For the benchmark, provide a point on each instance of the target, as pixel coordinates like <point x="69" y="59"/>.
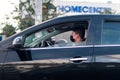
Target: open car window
<point x="35" y="38"/>
<point x="53" y="36"/>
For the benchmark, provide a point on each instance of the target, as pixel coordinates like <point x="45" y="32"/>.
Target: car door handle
<point x="78" y="59"/>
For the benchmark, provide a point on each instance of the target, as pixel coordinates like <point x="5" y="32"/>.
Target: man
<point x="77" y="36"/>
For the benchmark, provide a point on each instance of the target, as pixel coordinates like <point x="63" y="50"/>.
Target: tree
<point x="8" y="30"/>
<point x="26" y="10"/>
<point x="26" y="14"/>
<point x="49" y="10"/>
<point x="26" y="22"/>
<point x="108" y="12"/>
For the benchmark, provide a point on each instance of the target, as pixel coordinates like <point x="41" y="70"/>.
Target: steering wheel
<point x="46" y="43"/>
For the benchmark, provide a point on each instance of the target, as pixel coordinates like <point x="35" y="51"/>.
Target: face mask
<point x="71" y="38"/>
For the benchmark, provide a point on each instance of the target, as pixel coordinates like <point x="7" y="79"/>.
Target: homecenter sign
<point x="78" y="7"/>
<point x="82" y="9"/>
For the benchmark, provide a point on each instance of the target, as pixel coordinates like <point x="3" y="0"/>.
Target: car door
<point x="50" y="63"/>
<point x="107" y="53"/>
<point x="2" y="58"/>
<point x="66" y="62"/>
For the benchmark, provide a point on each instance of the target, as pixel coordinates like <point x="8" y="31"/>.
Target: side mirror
<point x="17" y="42"/>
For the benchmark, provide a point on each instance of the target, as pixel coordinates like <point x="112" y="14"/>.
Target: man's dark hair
<point x="80" y="31"/>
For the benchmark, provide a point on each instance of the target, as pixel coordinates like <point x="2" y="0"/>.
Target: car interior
<point x="54" y="36"/>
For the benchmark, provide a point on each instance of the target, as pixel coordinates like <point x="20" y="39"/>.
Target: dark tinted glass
<point x="111" y="32"/>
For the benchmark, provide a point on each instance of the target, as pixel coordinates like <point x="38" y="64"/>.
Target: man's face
<point x="75" y="36"/>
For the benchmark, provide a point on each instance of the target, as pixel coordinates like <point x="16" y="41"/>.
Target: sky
<point x="6" y="7"/>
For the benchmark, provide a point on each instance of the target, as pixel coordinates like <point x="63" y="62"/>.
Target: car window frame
<point x="88" y="20"/>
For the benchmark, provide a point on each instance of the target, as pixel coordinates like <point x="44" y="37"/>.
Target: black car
<point x="45" y="52"/>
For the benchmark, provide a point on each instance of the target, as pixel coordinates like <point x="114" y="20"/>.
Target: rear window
<point x="111" y="32"/>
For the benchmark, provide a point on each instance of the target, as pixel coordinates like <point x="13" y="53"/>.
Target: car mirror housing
<point x="17" y="42"/>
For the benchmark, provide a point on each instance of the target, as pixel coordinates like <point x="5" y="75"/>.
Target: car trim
<point x="106" y="45"/>
<point x="58" y="47"/>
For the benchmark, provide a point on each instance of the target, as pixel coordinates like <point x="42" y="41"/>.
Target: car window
<point x="54" y="36"/>
<point x="111" y="32"/>
<point x="35" y="37"/>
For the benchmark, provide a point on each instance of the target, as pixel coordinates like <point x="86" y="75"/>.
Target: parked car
<point x="44" y="51"/>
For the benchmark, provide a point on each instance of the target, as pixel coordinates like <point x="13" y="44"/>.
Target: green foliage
<point x="108" y="12"/>
<point x="49" y="10"/>
<point x="8" y="30"/>
<point x="26" y="22"/>
<point x="26" y="14"/>
<point x="26" y="6"/>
